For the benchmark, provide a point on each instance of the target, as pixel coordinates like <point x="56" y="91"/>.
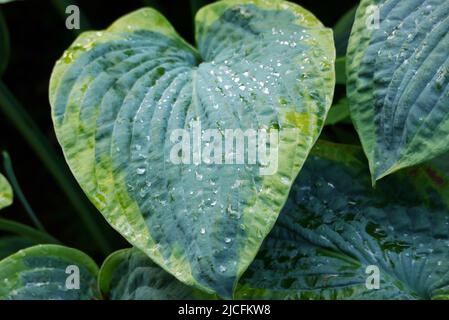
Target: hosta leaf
<point x="398" y="82"/>
<point x="335" y="225"/>
<point x="42" y="273"/>
<point x="118" y="95"/>
<point x="129" y="274"/>
<point x="12" y="244"/>
<point x="6" y="194"/>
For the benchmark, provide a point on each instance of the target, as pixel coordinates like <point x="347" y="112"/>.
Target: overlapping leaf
<point x="334" y="226"/>
<point x="41" y="273"/>
<point x="117" y="96"/>
<point x="398" y="81"/>
<point x="130" y="275"/>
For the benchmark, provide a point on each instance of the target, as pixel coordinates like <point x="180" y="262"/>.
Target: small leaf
<point x="335" y="227"/>
<point x="339" y="113"/>
<point x="117" y="97"/>
<point x="130" y="275"/>
<point x="398" y="82"/>
<point x="342" y="31"/>
<point x="340" y="70"/>
<point x="6" y="194"/>
<point x="40" y="273"/>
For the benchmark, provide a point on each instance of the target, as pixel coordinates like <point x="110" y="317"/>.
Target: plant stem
<point x="37" y="141"/>
<point x="27" y="232"/>
<point x="18" y="191"/>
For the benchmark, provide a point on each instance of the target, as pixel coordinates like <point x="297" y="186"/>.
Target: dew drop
<point x="140" y="171"/>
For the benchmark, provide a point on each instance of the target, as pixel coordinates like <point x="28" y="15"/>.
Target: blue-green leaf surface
<point x="129" y="274"/>
<point x="41" y="273"/>
<point x="334" y="226"/>
<point x="398" y="81"/>
<point x="117" y="95"/>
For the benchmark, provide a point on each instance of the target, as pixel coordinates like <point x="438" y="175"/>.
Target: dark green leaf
<point x="12" y="244"/>
<point x="339" y="113"/>
<point x="334" y="226"/>
<point x="342" y="31"/>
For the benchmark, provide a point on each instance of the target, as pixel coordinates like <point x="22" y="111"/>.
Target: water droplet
<point x="228" y="240"/>
<point x="203" y="231"/>
<point x="199" y="177"/>
<point x="141" y="171"/>
<point x="222" y="269"/>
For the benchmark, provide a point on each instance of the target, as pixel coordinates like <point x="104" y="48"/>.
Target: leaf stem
<point x="18" y="191"/>
<point x="37" y="141"/>
<point x="27" y="232"/>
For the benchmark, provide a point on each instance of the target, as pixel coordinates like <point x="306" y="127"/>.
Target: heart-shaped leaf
<point x="119" y="96"/>
<point x="129" y="274"/>
<point x="6" y="194"/>
<point x="398" y="81"/>
<point x="48" y="272"/>
<point x="336" y="234"/>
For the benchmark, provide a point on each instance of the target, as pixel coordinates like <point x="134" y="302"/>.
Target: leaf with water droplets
<point x="129" y="274"/>
<point x="6" y="194"/>
<point x="398" y="82"/>
<point x="336" y="231"/>
<point x="48" y="272"/>
<point x="144" y="120"/>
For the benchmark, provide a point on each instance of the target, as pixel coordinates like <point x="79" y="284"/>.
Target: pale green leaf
<point x="6" y="194"/>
